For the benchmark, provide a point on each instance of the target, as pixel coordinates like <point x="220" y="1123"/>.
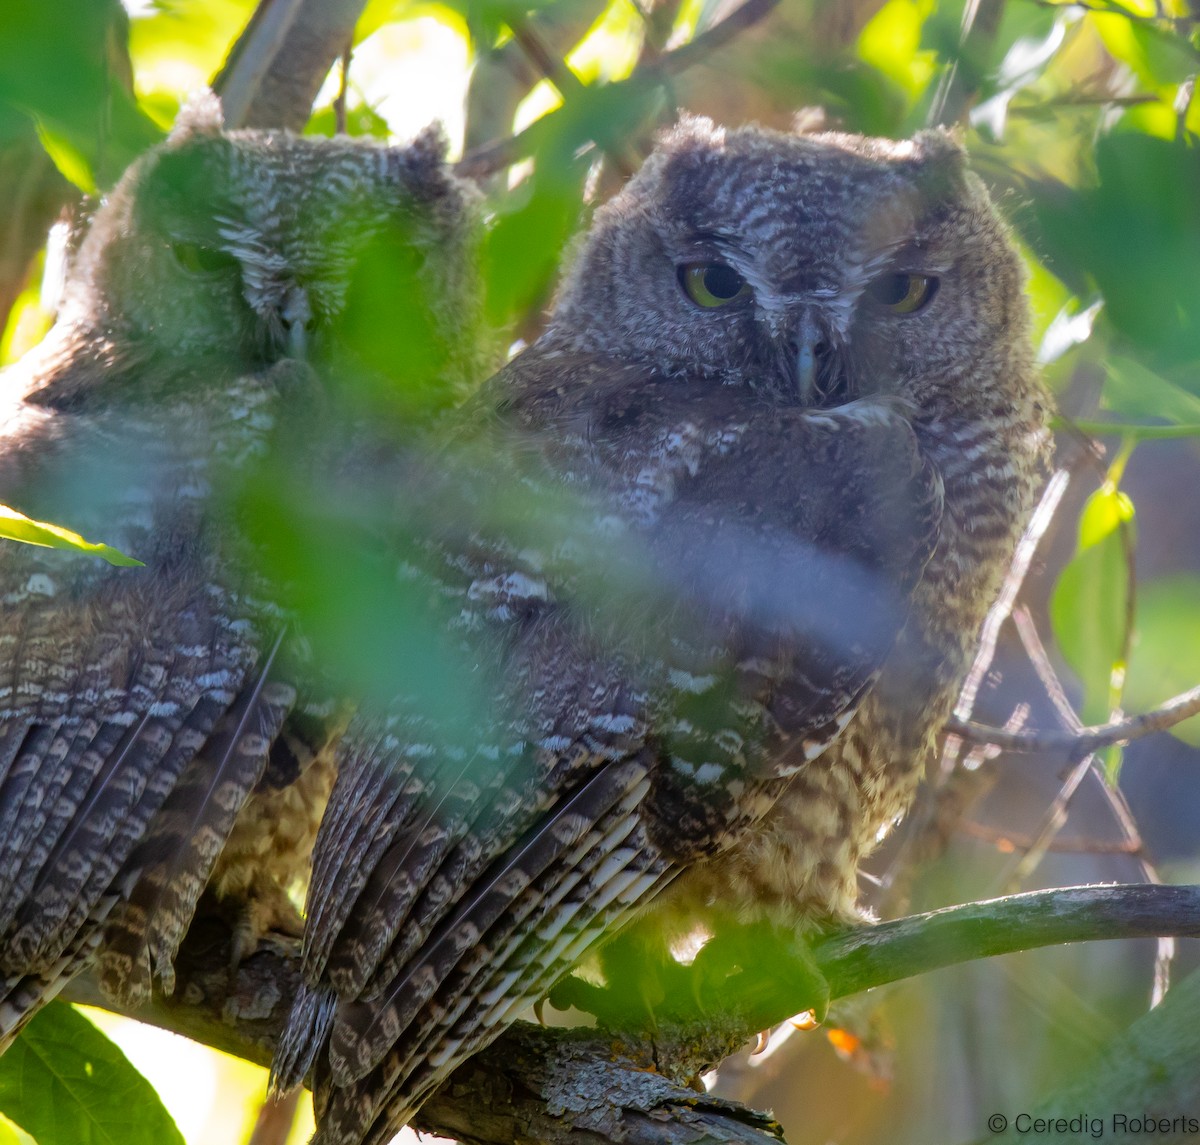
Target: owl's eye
<point x="903" y="293"/>
<point x="203" y="260"/>
<point x="712" y="284"/>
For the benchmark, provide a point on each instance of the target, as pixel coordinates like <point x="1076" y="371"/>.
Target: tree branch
<point x="274" y="71"/>
<point x="1080" y="743"/>
<point x="586" y="1086"/>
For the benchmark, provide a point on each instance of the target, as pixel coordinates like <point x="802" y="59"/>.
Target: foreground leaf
<point x="65" y="1083"/>
<point x="17" y="527"/>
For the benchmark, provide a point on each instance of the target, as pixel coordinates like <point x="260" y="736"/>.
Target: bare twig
<point x="1015" y="840"/>
<point x="1076" y="744"/>
<point x="548" y="63"/>
<point x="873" y="955"/>
<point x="1053" y="820"/>
<point x="1042" y="517"/>
<point x="700" y="47"/>
<point x="1031" y="641"/>
<point x="339" y="100"/>
<point x="480" y="162"/>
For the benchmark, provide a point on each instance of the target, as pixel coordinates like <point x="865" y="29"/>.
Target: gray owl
<point x="776" y="446"/>
<point x="163" y="728"/>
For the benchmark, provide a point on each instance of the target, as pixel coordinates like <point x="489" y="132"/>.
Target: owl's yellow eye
<point x="903" y="293"/>
<point x="203" y="260"/>
<point x="712" y="284"/>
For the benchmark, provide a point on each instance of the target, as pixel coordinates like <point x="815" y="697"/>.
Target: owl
<point x="164" y="728"/>
<point x="719" y="543"/>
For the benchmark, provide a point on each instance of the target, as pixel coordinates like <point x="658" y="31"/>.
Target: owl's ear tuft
<point x="200" y="116"/>
<point x="940" y="146"/>
<point x="692" y="130"/>
<point x="429" y="146"/>
<point x="941" y="165"/>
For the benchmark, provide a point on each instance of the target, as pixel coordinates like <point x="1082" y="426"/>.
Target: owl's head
<point x="814" y="268"/>
<point x="248" y="246"/>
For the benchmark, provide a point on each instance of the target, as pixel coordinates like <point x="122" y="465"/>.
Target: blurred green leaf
<point x="1134" y="390"/>
<point x="17" y="527"/>
<point x="524" y="247"/>
<point x="72" y="164"/>
<point x="1137" y="234"/>
<point x="1166" y="658"/>
<point x="1087" y="608"/>
<point x="66" y="65"/>
<point x="65" y="1083"/>
<point x="890" y="43"/>
<point x="1157" y="55"/>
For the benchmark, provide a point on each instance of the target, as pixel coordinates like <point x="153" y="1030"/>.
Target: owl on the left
<point x="161" y="728"/>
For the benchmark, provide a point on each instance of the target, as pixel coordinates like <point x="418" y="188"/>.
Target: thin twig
<point x="565" y="81"/>
<point x="1053" y="820"/>
<point x="1031" y="641"/>
<point x="1042" y="517"/>
<point x="1013" y="840"/>
<point x="486" y="160"/>
<point x="339" y="100"/>
<point x="1089" y="739"/>
<point x="873" y="955"/>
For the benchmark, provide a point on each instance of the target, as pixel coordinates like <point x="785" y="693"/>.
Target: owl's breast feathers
<point x="729" y="579"/>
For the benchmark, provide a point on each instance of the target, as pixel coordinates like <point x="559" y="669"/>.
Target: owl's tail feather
<point x="609" y="872"/>
<point x="174" y="859"/>
<point x="307" y="1030"/>
<point x="23" y="995"/>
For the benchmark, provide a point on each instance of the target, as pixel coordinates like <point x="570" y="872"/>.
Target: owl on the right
<point x="788" y="388"/>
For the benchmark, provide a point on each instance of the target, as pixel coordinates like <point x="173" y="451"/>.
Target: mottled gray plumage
<point x="776" y="448"/>
<point x="140" y="708"/>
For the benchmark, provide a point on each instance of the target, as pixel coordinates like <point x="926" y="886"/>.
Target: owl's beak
<point x="297" y="317"/>
<point x="803" y="343"/>
<point x="816" y="371"/>
<point x="806" y="372"/>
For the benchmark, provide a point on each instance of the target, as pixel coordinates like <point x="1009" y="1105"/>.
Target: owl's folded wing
<point x="453" y="885"/>
<point x="111" y="697"/>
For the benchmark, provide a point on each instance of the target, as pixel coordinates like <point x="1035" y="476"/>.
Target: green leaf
<point x="66" y="66"/>
<point x="17" y="527"/>
<point x="1135" y="390"/>
<point x="72" y="164"/>
<point x="1136" y="235"/>
<point x="1166" y="659"/>
<point x="891" y="41"/>
<point x="1157" y="56"/>
<point x="65" y="1083"/>
<point x="1087" y="609"/>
